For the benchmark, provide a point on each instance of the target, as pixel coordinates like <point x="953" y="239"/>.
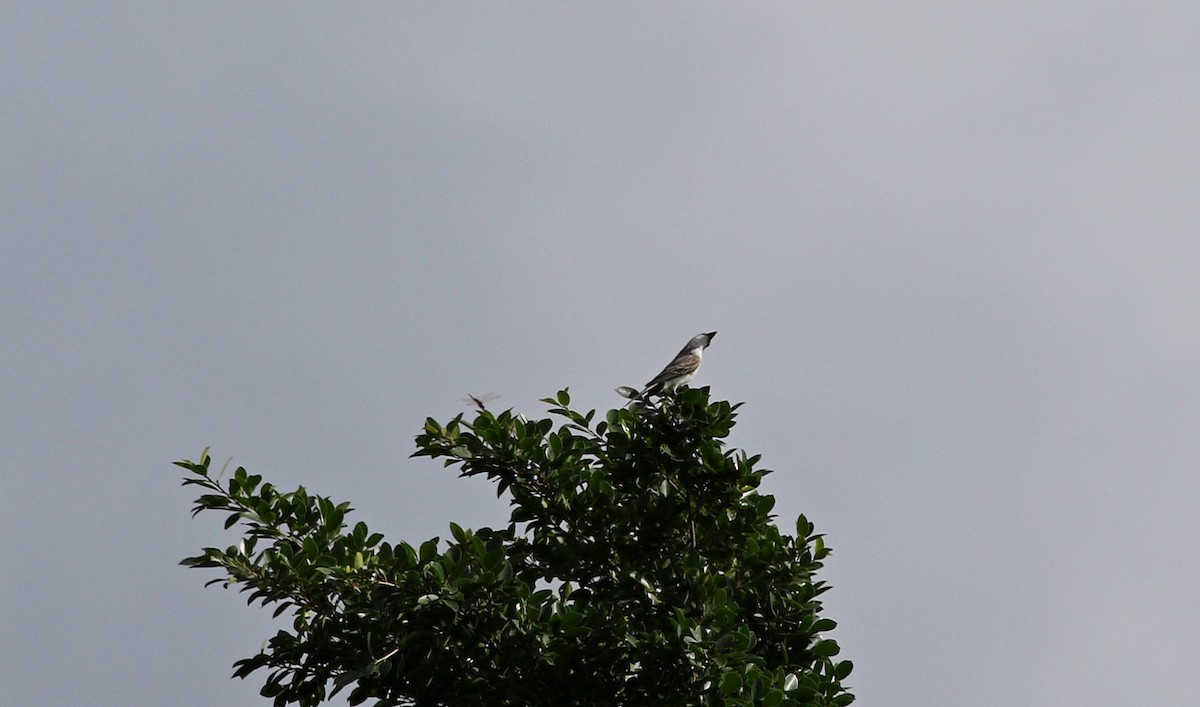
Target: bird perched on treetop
<point x="680" y="370"/>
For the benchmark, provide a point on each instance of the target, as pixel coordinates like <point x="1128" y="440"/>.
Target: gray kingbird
<point x="680" y="370"/>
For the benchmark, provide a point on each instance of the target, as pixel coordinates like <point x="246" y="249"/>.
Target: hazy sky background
<point x="951" y="250"/>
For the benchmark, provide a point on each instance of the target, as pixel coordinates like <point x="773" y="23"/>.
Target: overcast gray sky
<point x="951" y="250"/>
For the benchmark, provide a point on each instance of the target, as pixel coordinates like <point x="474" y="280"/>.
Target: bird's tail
<point x="634" y="395"/>
<point x="626" y="392"/>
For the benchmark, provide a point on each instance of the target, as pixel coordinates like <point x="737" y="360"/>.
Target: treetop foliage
<point x="640" y="566"/>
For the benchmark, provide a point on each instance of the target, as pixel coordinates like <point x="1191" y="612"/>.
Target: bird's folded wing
<point x="679" y="367"/>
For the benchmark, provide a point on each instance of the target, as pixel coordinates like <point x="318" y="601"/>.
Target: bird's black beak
<point x="710" y="335"/>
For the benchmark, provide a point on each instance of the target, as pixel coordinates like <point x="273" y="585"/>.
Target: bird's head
<point x="701" y="341"/>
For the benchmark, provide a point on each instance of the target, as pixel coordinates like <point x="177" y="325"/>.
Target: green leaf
<point x="826" y="648"/>
<point x="720" y="598"/>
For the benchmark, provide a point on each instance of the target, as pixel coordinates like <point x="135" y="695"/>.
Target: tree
<point x="641" y="566"/>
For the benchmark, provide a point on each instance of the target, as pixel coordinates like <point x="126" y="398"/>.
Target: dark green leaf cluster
<point x="641" y="566"/>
